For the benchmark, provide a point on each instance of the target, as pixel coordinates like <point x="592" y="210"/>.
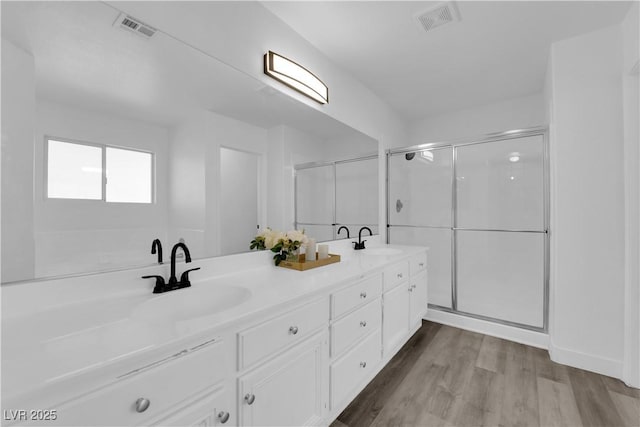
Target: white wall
<point x="213" y="27"/>
<point x="587" y="202"/>
<point x="239" y="199"/>
<point x="187" y="184"/>
<point x="516" y="113"/>
<point x="195" y="173"/>
<point x="81" y="235"/>
<point x="631" y="49"/>
<point x="18" y="107"/>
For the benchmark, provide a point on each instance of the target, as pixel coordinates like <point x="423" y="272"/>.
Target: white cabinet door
<point x="418" y="304"/>
<point x="211" y="410"/>
<point x="395" y="318"/>
<point x="288" y="391"/>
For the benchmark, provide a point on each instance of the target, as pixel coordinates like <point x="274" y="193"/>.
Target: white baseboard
<point x="522" y="336"/>
<point x="588" y="362"/>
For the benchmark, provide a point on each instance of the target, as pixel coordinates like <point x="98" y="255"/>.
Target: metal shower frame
<point x="488" y="138"/>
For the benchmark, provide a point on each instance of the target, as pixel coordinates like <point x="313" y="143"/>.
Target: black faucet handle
<point x="160" y="284"/>
<point x="358" y="245"/>
<point x="184" y="277"/>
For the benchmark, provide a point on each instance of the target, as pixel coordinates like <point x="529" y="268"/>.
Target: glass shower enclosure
<point x="329" y="195"/>
<point x="481" y="206"/>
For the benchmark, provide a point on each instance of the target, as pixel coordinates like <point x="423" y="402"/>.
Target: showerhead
<point x="409" y="156"/>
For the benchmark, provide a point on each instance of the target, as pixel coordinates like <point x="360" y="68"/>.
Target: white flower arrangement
<point x="284" y="245"/>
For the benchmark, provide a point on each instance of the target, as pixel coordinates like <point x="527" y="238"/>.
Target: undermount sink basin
<point x="193" y="302"/>
<point x="382" y="251"/>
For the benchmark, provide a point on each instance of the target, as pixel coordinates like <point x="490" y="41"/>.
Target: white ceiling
<point x="82" y="60"/>
<point x="497" y="51"/>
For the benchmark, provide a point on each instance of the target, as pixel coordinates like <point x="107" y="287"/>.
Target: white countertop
<point x="64" y="341"/>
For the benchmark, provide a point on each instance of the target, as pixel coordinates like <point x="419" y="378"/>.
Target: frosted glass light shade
<point x="295" y="76"/>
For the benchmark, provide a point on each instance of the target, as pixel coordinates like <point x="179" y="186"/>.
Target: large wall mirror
<point x="112" y="138"/>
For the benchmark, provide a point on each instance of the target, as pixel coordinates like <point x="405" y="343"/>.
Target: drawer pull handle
<point x="410" y="289"/>
<point x="142" y="404"/>
<point x="363" y="364"/>
<point x="363" y="295"/>
<point x="223" y="417"/>
<point x="293" y="330"/>
<point x="399" y="275"/>
<point x="414" y="286"/>
<point x="421" y="264"/>
<point x="249" y="398"/>
<point x="363" y="323"/>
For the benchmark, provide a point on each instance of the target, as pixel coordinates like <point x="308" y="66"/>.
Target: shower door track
<point x="484" y="139"/>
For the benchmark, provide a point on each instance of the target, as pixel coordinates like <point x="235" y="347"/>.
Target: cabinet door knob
<point x="399" y="275"/>
<point x="363" y="364"/>
<point x="414" y="286"/>
<point x="410" y="289"/>
<point x="142" y="404"/>
<point x="223" y="417"/>
<point x="363" y="294"/>
<point x="363" y="323"/>
<point x="421" y="264"/>
<point x="293" y="330"/>
<point x="249" y="398"/>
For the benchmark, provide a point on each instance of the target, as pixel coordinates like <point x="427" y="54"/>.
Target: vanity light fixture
<point x="295" y="76"/>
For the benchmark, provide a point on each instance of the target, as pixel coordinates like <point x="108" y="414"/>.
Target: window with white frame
<point x="78" y="170"/>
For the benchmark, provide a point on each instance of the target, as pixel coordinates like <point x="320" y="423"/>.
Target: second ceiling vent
<point x="443" y="13"/>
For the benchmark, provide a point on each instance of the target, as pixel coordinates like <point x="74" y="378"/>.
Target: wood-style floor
<point x="446" y="376"/>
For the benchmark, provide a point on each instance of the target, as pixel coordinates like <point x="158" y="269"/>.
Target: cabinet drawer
<point x="358" y="294"/>
<point x="268" y="337"/>
<point x="348" y="372"/>
<point x="418" y="263"/>
<point x="352" y="327"/>
<point x="395" y="274"/>
<point x="163" y="386"/>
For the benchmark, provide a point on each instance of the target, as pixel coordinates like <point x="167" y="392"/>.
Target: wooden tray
<point x="301" y="265"/>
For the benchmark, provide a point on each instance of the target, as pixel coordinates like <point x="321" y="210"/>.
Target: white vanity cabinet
<point x="287" y="391"/>
<point x="417" y="298"/>
<point x="404" y="300"/>
<point x="283" y="368"/>
<point x="209" y="410"/>
<point x="356" y="338"/>
<point x="289" y="363"/>
<point x="396" y="316"/>
<point x="190" y="382"/>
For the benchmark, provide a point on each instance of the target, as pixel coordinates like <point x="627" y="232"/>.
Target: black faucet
<point x="340" y="229"/>
<point x="360" y="243"/>
<point x="157" y="245"/>
<point x="173" y="283"/>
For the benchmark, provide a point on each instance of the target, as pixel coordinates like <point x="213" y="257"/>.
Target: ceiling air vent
<point x="443" y="13"/>
<point x="135" y="26"/>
